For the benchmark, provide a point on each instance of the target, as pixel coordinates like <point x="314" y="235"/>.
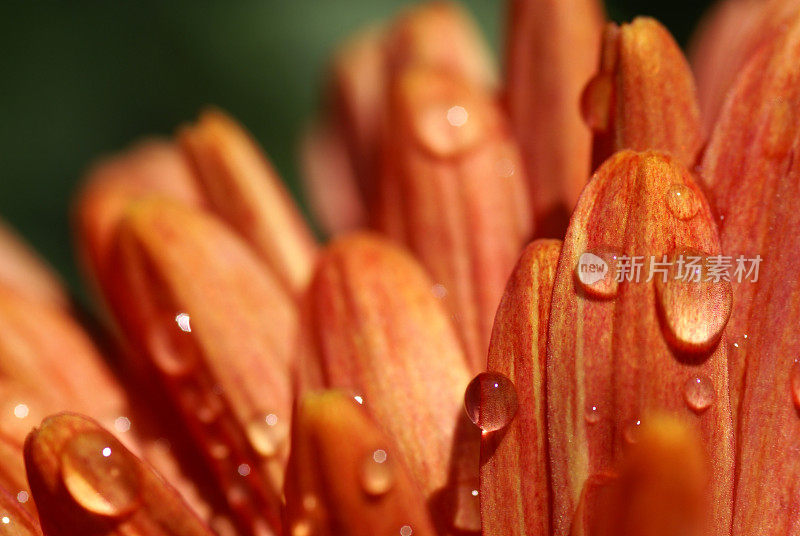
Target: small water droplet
<point x="491" y="401"/>
<point x="592" y="413"/>
<point x="467" y="516"/>
<point x="439" y="291"/>
<point x="122" y="424"/>
<point x="406" y="530"/>
<point x="631" y="430"/>
<point x="301" y="528"/>
<point x="243" y="469"/>
<point x="22" y="497"/>
<point x="699" y="393"/>
<point x="794" y="379"/>
<point x="310" y="502"/>
<point x="100" y="474"/>
<point x="377" y="473"/>
<point x="682" y="202"/>
<point x="267" y="434"/>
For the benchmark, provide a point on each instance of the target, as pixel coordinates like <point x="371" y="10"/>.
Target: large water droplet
<point x="693" y="313"/>
<point x="682" y="202"/>
<point x="100" y="474"/>
<point x="699" y="393"/>
<point x="377" y="473"/>
<point x="794" y="380"/>
<point x="491" y="401"/>
<point x="267" y="434"/>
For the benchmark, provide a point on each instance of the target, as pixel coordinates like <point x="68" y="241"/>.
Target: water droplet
<point x="243" y="469"/>
<point x="699" y="393"/>
<point x="184" y="322"/>
<point x="595" y="272"/>
<point x="267" y="434"/>
<point x="377" y="473"/>
<point x="22" y="497"/>
<point x="592" y="414"/>
<point x="406" y="530"/>
<point x="100" y="474"/>
<point x="310" y="502"/>
<point x="359" y="399"/>
<point x="447" y="129"/>
<point x="491" y="401"/>
<point x="122" y="424"/>
<point x="631" y="431"/>
<point x="693" y="313"/>
<point x="467" y="517"/>
<point x="794" y="379"/>
<point x="457" y="116"/>
<point x="439" y="291"/>
<point x="301" y="528"/>
<point x="682" y="202"/>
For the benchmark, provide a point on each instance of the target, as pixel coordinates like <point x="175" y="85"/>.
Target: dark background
<point x="82" y="79"/>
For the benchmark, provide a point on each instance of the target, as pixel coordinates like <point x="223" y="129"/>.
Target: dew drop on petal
<point x="491" y="401"/>
<point x="631" y="430"/>
<point x="592" y="413"/>
<point x="267" y="434"/>
<point x="699" y="393"/>
<point x="100" y="474"/>
<point x="243" y="469"/>
<point x="693" y="314"/>
<point x="122" y="424"/>
<point x="406" y="530"/>
<point x="22" y="497"/>
<point x="682" y="202"/>
<point x="184" y="322"/>
<point x="377" y="473"/>
<point x="467" y="516"/>
<point x="794" y="380"/>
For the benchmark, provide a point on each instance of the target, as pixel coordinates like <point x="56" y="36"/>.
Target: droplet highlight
<point x="377" y="473"/>
<point x="467" y="516"/>
<point x="699" y="393"/>
<point x="267" y="434"/>
<point x="592" y="413"/>
<point x="682" y="202"/>
<point x="100" y="474"/>
<point x="491" y="401"/>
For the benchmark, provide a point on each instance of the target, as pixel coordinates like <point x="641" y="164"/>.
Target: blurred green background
<point x="80" y="79"/>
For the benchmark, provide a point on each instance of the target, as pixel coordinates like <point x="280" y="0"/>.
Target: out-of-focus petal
<point x="552" y="52"/>
<point x="329" y="180"/>
<point x="15" y="520"/>
<point x="206" y="318"/>
<point x="753" y="170"/>
<point x="374" y="325"/>
<point x="244" y="189"/>
<point x="345" y="477"/>
<point x="453" y="191"/>
<point x="622" y="346"/>
<point x="726" y="39"/>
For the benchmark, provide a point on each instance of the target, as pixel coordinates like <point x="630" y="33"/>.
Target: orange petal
<point x="85" y="482"/>
<point x="752" y="167"/>
<point x="345" y="477"/>
<point x="515" y="493"/>
<point x="552" y="52"/>
<point x="243" y="188"/>
<point x="618" y="352"/>
<point x="660" y="490"/>
<point x="442" y="35"/>
<point x="207" y="319"/>
<point x="453" y="190"/>
<point x="22" y="270"/>
<point x="376" y="328"/>
<point x="644" y="97"/>
<point x="726" y="39"/>
<point x="329" y="180"/>
<point x="152" y="168"/>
